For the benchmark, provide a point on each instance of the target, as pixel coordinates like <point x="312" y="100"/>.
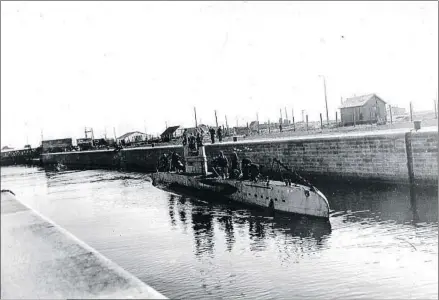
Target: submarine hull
<point x="276" y="195"/>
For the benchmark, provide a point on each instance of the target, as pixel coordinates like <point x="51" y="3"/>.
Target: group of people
<point x="171" y="162"/>
<point x="219" y="133"/>
<point x="196" y="141"/>
<point x="247" y="170"/>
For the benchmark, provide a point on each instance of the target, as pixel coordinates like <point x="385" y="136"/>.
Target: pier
<point x="373" y="156"/>
<point x="42" y="260"/>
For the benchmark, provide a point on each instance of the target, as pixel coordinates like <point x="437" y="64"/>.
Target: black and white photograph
<point x="219" y="150"/>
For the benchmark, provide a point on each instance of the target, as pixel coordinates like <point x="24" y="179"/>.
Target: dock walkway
<point x="42" y="260"/>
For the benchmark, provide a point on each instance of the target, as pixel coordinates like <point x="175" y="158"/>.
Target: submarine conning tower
<point x="196" y="160"/>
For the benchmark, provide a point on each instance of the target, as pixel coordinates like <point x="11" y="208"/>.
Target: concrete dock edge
<point x="40" y="259"/>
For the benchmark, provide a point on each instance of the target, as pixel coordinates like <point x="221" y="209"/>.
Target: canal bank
<point x="399" y="156"/>
<point x="194" y="247"/>
<point x="42" y="260"/>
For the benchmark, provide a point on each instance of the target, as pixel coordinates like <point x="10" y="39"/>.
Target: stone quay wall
<point x="394" y="156"/>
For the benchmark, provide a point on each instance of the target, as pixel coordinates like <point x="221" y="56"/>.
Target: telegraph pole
<point x="286" y="115"/>
<point x="216" y="120"/>
<point x="435" y="107"/>
<point x="114" y="131"/>
<point x="280" y="110"/>
<point x="257" y="120"/>
<point x="326" y="100"/>
<point x="195" y="111"/>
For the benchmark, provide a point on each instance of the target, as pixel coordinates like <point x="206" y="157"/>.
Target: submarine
<point x="299" y="197"/>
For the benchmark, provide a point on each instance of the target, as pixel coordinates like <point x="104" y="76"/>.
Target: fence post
<point x="411" y="112"/>
<point x="294" y="125"/>
<point x="354" y="116"/>
<point x="306" y="122"/>
<point x="391" y="117"/>
<point x="435" y="108"/>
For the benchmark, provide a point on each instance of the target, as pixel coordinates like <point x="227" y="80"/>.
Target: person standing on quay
<point x="185" y="137"/>
<point x="212" y="135"/>
<point x="220" y="134"/>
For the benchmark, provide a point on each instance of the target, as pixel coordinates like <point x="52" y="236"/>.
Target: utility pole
<point x="114" y="131"/>
<point x="227" y="125"/>
<point x="435" y="107"/>
<point x="216" y="120"/>
<point x="411" y="112"/>
<point x="286" y="115"/>
<point x="280" y="110"/>
<point x="303" y="115"/>
<point x="195" y="111"/>
<point x="257" y="120"/>
<point x="326" y="100"/>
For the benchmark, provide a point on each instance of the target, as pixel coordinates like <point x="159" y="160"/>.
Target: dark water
<point x="382" y="241"/>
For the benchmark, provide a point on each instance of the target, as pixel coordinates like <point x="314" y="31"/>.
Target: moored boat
<point x="290" y="197"/>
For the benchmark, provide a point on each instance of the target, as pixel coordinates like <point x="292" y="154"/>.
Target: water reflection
<point x="171" y="205"/>
<point x="202" y="225"/>
<point x="414" y="205"/>
<point x="382" y="202"/>
<point x="182" y="212"/>
<point x="226" y="224"/>
<point x="301" y="233"/>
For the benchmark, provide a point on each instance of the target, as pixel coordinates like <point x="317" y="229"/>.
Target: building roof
<point x="358" y="101"/>
<point x="128" y="134"/>
<point x="170" y="130"/>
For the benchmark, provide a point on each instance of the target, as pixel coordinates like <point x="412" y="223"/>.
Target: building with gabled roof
<point x="366" y="109"/>
<point x="169" y="133"/>
<point x="131" y="137"/>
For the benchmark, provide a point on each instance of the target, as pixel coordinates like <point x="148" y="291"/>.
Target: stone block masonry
<point x="380" y="155"/>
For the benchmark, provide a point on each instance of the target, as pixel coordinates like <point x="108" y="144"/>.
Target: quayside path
<point x="42" y="260"/>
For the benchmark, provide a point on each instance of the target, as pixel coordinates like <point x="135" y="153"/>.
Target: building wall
<point x="380" y="156"/>
<point x="367" y="110"/>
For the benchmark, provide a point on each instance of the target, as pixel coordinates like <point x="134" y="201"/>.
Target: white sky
<point x="66" y="65"/>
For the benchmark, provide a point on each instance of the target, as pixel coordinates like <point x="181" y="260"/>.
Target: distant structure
<point x="397" y="111"/>
<point x="58" y="145"/>
<point x="367" y="109"/>
<point x="254" y="126"/>
<point x="132" y="137"/>
<point x="5" y="148"/>
<point x="192" y="130"/>
<point x="169" y="133"/>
